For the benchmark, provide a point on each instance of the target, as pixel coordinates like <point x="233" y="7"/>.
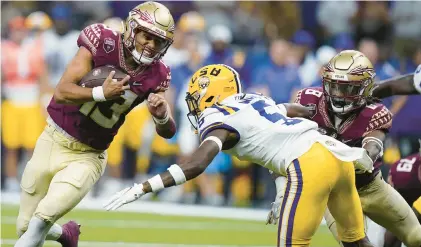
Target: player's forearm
<point x="190" y="168"/>
<point x="190" y="171"/>
<point x="403" y="85"/>
<point x="166" y="130"/>
<point x="72" y="94"/>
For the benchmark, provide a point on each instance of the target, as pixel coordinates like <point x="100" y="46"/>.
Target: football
<point x="97" y="76"/>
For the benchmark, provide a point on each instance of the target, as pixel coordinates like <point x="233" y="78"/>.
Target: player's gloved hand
<point x="273" y="216"/>
<point x="157" y="106"/>
<point x="364" y="164"/>
<point x="112" y="88"/>
<point x="124" y="196"/>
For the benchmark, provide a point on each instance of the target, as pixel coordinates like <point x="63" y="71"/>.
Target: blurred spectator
<point x="303" y="44"/>
<point x="216" y="12"/>
<point x="190" y="26"/>
<point x="343" y="41"/>
<point x="335" y="17"/>
<point x="372" y="21"/>
<point x="323" y="55"/>
<point x="407" y="21"/>
<point x="60" y="42"/>
<point x="277" y="79"/>
<point x="247" y="24"/>
<point x="384" y="70"/>
<point x="282" y="18"/>
<point x="38" y="23"/>
<point x="23" y="78"/>
<point x="220" y="37"/>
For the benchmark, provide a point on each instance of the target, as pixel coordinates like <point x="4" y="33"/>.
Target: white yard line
<point x="148" y="224"/>
<point x="121" y="244"/>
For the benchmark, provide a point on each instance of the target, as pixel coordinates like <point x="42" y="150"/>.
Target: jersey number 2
<point x="273" y="117"/>
<point x="91" y="109"/>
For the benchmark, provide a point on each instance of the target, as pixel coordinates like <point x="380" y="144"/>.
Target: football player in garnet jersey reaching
<point x="70" y="155"/>
<point x="345" y="109"/>
<point x="405" y="177"/>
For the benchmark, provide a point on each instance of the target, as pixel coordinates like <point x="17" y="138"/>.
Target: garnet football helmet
<point x="155" y="19"/>
<point x="348" y="81"/>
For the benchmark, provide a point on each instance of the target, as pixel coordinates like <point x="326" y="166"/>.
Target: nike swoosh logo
<point x="137" y="83"/>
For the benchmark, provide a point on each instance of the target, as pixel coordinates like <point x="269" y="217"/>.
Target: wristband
<point x="98" y="94"/>
<point x="177" y="174"/>
<point x="156" y="183"/>
<point x="163" y="120"/>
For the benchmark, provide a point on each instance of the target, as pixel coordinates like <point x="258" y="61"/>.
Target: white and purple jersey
<point x="265" y="135"/>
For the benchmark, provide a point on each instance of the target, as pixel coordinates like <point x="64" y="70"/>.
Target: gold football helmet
<point x="348" y="81"/>
<point x="153" y="18"/>
<point x="208" y="86"/>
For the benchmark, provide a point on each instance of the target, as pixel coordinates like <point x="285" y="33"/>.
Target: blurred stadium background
<point x="277" y="47"/>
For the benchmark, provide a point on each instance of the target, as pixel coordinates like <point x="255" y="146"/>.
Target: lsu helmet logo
<point x="203" y="82"/>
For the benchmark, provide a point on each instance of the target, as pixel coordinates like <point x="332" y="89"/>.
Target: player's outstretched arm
<point x="190" y="168"/>
<point x="297" y="110"/>
<point x="68" y="92"/>
<point x="402" y="85"/>
<point x="161" y="114"/>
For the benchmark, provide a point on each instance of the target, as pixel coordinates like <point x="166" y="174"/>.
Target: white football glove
<point x="364" y="164"/>
<point x="124" y="196"/>
<point x="273" y="215"/>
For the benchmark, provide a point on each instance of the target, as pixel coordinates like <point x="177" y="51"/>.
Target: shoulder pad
<point x="210" y="119"/>
<point x="98" y="36"/>
<point x="378" y="117"/>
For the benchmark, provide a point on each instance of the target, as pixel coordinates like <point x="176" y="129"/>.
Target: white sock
<point x="54" y="233"/>
<point x="35" y="235"/>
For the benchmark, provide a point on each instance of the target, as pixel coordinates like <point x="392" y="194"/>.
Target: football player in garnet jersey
<point x="345" y="109"/>
<point x="70" y="155"/>
<point x="405" y="177"/>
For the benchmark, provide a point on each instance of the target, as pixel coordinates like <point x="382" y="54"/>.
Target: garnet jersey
<point x="352" y="130"/>
<point x="405" y="176"/>
<point x="96" y="123"/>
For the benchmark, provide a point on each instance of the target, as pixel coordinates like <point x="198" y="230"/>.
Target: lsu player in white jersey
<point x="318" y="168"/>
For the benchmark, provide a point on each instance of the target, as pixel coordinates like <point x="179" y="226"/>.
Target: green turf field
<point x="117" y="229"/>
